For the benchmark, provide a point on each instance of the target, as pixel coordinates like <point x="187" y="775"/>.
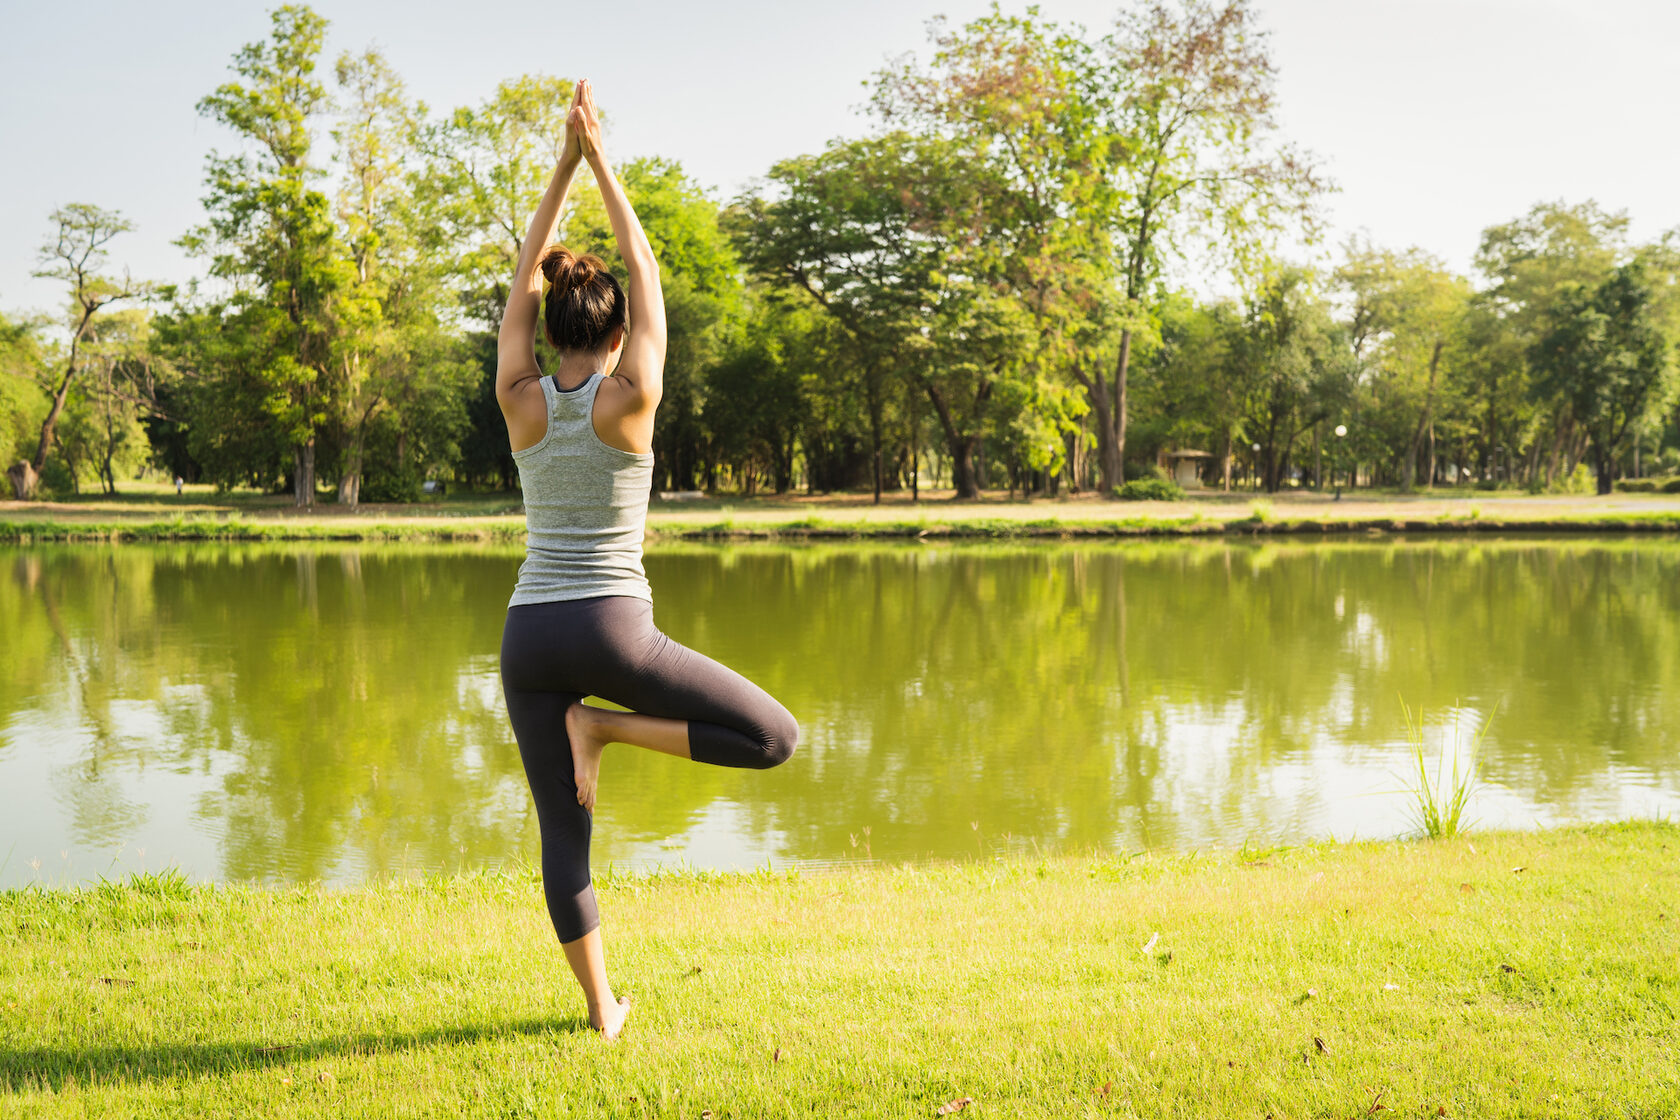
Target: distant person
<point x="580" y="622"/>
<point x="179" y="482"/>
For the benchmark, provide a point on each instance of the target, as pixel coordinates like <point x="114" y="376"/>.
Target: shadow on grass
<point x="24" y="1069"/>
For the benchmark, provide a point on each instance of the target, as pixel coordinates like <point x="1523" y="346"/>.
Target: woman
<point x="580" y="622"/>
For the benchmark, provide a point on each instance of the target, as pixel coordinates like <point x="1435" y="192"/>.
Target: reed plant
<point x="1438" y="802"/>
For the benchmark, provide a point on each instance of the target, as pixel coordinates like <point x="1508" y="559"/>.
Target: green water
<point x="282" y="712"/>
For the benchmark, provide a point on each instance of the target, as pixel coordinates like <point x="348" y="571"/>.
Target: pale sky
<point x="1436" y="118"/>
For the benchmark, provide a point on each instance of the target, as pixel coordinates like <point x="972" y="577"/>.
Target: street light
<point x="1341" y="434"/>
<point x="1256" y="467"/>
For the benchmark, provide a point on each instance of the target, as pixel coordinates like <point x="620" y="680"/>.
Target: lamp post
<point x="1341" y="434"/>
<point x="1256" y="467"/>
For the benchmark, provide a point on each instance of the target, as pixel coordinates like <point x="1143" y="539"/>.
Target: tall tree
<point x="1607" y="356"/>
<point x="1295" y="368"/>
<point x="1023" y="245"/>
<point x="856" y="229"/>
<point x="271" y="233"/>
<point x="1407" y="309"/>
<point x="1185" y="94"/>
<point x="74" y="255"/>
<point x="394" y="365"/>
<point x="700" y="274"/>
<point x="1533" y="267"/>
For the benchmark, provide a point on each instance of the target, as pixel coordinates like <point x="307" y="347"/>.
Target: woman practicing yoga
<point x="580" y="622"/>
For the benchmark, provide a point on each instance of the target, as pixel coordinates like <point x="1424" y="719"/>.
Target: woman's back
<point x="585" y="506"/>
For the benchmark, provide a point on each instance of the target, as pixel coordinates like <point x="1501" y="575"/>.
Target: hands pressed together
<point x="583" y="126"/>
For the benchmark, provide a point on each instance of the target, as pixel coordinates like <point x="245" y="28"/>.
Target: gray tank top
<point x="585" y="507"/>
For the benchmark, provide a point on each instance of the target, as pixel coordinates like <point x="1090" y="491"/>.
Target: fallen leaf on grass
<point x="953" y="1106"/>
<point x="1107" y="1088"/>
<point x="1467" y="888"/>
<point x="1508" y="968"/>
<point x="1514" y="870"/>
<point x="1150" y="944"/>
<point x="285" y="1081"/>
<point x="113" y="981"/>
<point x="778" y="1055"/>
<point x="1376" y="1102"/>
<point x="1391" y="987"/>
<point x="1319" y="1042"/>
<point x="705" y="1114"/>
<point x="325" y="1078"/>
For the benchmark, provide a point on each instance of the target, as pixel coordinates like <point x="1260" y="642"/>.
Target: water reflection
<point x="286" y="712"/>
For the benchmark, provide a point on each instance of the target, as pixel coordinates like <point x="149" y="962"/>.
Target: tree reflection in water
<point x="291" y="712"/>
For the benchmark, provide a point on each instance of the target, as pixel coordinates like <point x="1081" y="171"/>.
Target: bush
<point x="1637" y="485"/>
<point x="383" y="484"/>
<point x="1132" y="471"/>
<point x="1672" y="486"/>
<point x="1580" y="481"/>
<point x="1149" y="490"/>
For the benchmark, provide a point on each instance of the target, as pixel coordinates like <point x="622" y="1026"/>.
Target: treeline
<point x="989" y="289"/>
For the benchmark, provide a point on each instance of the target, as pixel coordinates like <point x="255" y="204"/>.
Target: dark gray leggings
<point x="554" y="654"/>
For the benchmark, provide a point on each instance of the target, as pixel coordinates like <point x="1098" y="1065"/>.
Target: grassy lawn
<point x="1493" y="975"/>
<point x="199" y="514"/>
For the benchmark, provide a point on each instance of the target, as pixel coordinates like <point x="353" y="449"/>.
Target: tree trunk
<point x="1116" y="463"/>
<point x="875" y="407"/>
<point x="962" y="467"/>
<point x="350" y="479"/>
<point x="303" y="474"/>
<point x="1601" y="458"/>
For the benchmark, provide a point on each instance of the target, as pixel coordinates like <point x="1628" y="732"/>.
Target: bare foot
<point x="587" y="744"/>
<point x="611" y="1021"/>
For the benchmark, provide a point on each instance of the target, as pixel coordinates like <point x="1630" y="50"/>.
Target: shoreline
<point x="1495" y="974"/>
<point x="957" y="523"/>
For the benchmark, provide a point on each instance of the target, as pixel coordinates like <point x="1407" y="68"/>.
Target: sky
<point x="1435" y="118"/>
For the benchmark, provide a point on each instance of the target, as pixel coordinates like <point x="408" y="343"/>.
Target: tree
<point x="1022" y="246"/>
<point x="1407" y="310"/>
<point x="487" y="167"/>
<point x="1533" y="266"/>
<point x="1294" y="367"/>
<point x="74" y="256"/>
<point x="1608" y="358"/>
<point x="393" y="364"/>
<point x="1185" y="98"/>
<point x="271" y="234"/>
<point x="700" y="274"/>
<point x="855" y="230"/>
<point x="24" y="362"/>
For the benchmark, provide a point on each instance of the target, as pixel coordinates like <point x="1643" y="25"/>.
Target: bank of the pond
<point x="1493" y="975"/>
<point x="903" y="522"/>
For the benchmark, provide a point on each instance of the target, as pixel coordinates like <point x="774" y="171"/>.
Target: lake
<point x="299" y="712"/>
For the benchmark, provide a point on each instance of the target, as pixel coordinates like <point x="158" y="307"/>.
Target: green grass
<point x="1490" y="975"/>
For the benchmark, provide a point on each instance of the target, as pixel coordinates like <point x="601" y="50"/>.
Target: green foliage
<point x="1149" y="490"/>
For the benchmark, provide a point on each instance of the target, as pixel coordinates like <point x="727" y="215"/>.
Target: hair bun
<point x="562" y="267"/>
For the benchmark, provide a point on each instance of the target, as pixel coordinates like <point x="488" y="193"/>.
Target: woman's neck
<point x="576" y="367"/>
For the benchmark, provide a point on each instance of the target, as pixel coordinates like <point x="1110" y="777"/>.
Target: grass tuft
<point x="1438" y="802"/>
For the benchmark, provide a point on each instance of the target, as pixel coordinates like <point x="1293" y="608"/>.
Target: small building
<point x="1185" y="466"/>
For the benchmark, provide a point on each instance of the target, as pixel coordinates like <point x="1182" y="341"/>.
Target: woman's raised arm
<point x="642" y="368"/>
<point x="516" y="354"/>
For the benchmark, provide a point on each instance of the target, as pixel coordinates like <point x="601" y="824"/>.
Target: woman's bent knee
<point x="782" y="740"/>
